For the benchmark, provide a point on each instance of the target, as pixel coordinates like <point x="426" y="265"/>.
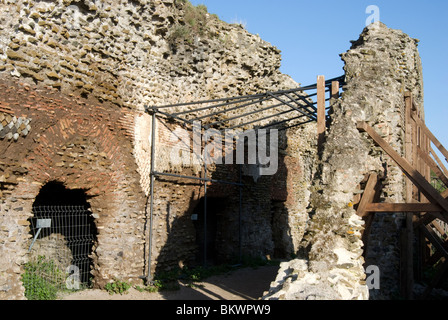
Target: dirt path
<point x="243" y="284"/>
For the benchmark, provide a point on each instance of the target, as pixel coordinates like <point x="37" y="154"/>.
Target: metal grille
<point x="283" y="109"/>
<point x="60" y="249"/>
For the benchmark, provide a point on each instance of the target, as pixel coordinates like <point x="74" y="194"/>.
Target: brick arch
<point x="107" y="181"/>
<point x="62" y="124"/>
<point x="95" y="178"/>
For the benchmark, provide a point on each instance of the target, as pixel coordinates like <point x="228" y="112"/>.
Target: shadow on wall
<point x="174" y="215"/>
<point x="196" y="237"/>
<point x="213" y="230"/>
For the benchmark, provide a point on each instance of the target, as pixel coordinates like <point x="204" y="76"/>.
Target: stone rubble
<point x="12" y="127"/>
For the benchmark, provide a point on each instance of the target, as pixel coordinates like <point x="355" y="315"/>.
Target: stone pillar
<point x="381" y="65"/>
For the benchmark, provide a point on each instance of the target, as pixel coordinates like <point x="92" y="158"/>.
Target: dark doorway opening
<point x="209" y="227"/>
<point x="280" y="229"/>
<point x="63" y="231"/>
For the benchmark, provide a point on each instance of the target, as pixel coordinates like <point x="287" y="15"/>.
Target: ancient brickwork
<point x="76" y="76"/>
<point x="128" y="53"/>
<point x="75" y="142"/>
<point x="273" y="208"/>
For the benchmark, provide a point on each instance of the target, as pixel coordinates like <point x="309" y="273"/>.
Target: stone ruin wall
<point x="75" y="77"/>
<point x="80" y="144"/>
<point x="380" y="67"/>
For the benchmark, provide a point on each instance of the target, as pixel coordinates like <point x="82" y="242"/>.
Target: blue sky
<point x="312" y="35"/>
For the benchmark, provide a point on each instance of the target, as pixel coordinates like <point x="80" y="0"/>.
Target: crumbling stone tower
<point x="380" y="67"/>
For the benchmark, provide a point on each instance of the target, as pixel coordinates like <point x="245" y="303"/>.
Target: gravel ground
<point x="242" y="284"/>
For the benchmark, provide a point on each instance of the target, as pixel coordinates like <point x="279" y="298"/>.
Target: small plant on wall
<point x="193" y="24"/>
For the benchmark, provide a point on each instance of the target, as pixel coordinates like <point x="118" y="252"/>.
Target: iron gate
<point x="60" y="250"/>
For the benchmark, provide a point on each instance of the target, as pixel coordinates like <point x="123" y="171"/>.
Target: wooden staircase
<point x="426" y="208"/>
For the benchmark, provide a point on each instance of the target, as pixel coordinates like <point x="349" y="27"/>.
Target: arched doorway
<point x="63" y="235"/>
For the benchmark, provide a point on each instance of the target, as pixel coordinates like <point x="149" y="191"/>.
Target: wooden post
<point x="368" y="196"/>
<point x="415" y="191"/>
<point x="335" y="90"/>
<point x="371" y="193"/>
<point x="408" y="141"/>
<point x="321" y="114"/>
<point x="407" y="271"/>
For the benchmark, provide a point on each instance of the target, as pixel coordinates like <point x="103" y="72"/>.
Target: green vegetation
<point x="437" y="183"/>
<point x="194" y="23"/>
<point x="42" y="279"/>
<point x="156" y="286"/>
<point x="117" y="287"/>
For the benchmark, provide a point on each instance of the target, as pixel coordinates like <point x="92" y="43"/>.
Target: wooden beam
<point x="368" y="195"/>
<point x="437" y="278"/>
<point x="434" y="239"/>
<point x="424" y="186"/>
<point x="403" y="207"/>
<point x="428" y="167"/>
<point x="428" y="133"/>
<point x="445" y="194"/>
<point x="439" y="162"/>
<point x="371" y="193"/>
<point x="428" y="218"/>
<point x="321" y="114"/>
<point x="437" y="255"/>
<point x="439" y="229"/>
<point x="407" y="233"/>
<point x="407" y="259"/>
<point x="335" y="90"/>
<point x="415" y="131"/>
<point x="431" y="211"/>
<point x="433" y="165"/>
